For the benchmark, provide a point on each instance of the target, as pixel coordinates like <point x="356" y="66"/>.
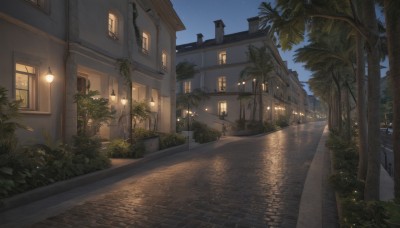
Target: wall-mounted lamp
<point x="152" y="103"/>
<point x="268" y="108"/>
<point x="124" y="101"/>
<point x="49" y="76"/>
<point x="112" y="96"/>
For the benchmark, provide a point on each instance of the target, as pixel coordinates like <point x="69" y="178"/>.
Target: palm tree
<point x="258" y="72"/>
<point x="185" y="71"/>
<point x="291" y="19"/>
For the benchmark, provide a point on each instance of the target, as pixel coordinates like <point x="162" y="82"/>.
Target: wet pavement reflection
<point x="251" y="182"/>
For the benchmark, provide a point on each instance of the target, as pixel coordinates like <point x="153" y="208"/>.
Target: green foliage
<point x="282" y="121"/>
<point x="355" y="211"/>
<point x="141" y="133"/>
<point x="86" y="146"/>
<point x="124" y="69"/>
<point x="255" y="126"/>
<point x="268" y="127"/>
<point x="119" y="148"/>
<point x="185" y="70"/>
<point x="393" y="211"/>
<point x="39" y="165"/>
<point x="203" y="134"/>
<point x="363" y="214"/>
<point x="8" y="125"/>
<point x="92" y="112"/>
<point x="171" y="140"/>
<point x="140" y="112"/>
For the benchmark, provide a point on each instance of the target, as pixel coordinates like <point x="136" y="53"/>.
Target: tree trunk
<point x="361" y="110"/>
<point x="130" y="112"/>
<point x="373" y="170"/>
<point x="253" y="118"/>
<point x="393" y="36"/>
<point x="348" y="117"/>
<point x="261" y="104"/>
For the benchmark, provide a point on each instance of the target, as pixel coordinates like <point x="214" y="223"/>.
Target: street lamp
<point x="124" y="101"/>
<point x="152" y="103"/>
<point x="49" y="76"/>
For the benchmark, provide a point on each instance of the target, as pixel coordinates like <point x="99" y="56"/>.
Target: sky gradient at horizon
<point x="199" y="17"/>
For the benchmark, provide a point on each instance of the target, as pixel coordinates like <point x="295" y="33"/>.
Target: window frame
<point x="221" y="83"/>
<point x="32" y="86"/>
<point x="112" y="28"/>
<point x="187" y="86"/>
<point x="222" y="56"/>
<point x="164" y="60"/>
<point x="222" y="108"/>
<point x="145" y="49"/>
<point x="43" y="5"/>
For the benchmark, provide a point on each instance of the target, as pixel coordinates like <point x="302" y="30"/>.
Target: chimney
<point x="199" y="39"/>
<point x="254" y="23"/>
<point x="219" y="31"/>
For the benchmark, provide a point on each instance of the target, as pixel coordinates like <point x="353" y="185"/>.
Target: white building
<point x="81" y="41"/>
<point x="219" y="62"/>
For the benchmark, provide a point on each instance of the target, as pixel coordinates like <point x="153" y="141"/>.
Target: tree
<point x="392" y="19"/>
<point x="140" y="112"/>
<point x="290" y="20"/>
<point x="92" y="112"/>
<point x="258" y="73"/>
<point x="125" y="71"/>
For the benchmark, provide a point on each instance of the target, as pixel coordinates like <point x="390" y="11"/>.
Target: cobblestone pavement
<point x="255" y="182"/>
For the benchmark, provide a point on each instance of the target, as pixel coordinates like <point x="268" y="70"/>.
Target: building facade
<point x="81" y="43"/>
<point x="219" y="62"/>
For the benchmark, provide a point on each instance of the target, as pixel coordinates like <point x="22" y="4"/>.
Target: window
<point x="145" y="43"/>
<point x="222" y="108"/>
<point x="222" y="84"/>
<point x="164" y="60"/>
<point x="187" y="86"/>
<point x="265" y="87"/>
<point x="222" y="57"/>
<point x="113" y="26"/>
<point x="25" y="84"/>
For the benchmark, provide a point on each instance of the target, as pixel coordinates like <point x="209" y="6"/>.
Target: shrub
<point x="268" y="127"/>
<point x="86" y="146"/>
<point x="282" y="121"/>
<point x="141" y="133"/>
<point x="119" y="148"/>
<point x="202" y="133"/>
<point x="255" y="126"/>
<point x="171" y="140"/>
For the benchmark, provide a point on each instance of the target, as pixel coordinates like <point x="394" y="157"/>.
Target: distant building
<point x="219" y="62"/>
<point x="81" y="41"/>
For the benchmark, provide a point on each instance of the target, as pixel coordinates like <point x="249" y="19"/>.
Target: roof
<point x="230" y="38"/>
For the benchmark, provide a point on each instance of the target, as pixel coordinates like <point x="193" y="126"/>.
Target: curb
<point x="310" y="209"/>
<point x="63" y="186"/>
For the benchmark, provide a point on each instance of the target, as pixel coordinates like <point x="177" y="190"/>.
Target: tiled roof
<point x="231" y="38"/>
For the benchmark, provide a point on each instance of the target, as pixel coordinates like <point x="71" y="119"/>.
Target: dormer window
<point x="145" y="43"/>
<point x="222" y="57"/>
<point x="113" y="26"/>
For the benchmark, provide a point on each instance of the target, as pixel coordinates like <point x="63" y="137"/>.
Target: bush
<point x="282" y="121"/>
<point x="119" y="148"/>
<point x="86" y="146"/>
<point x="171" y="140"/>
<point x="268" y="127"/>
<point x="255" y="126"/>
<point x="202" y="133"/>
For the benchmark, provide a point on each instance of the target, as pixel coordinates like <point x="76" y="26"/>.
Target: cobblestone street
<point x="252" y="182"/>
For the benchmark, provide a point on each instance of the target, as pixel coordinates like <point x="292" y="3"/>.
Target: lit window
<point x="164" y="60"/>
<point x="222" y="108"/>
<point x="187" y="86"/>
<point x="145" y="43"/>
<point x="112" y="26"/>
<point x="222" y="84"/>
<point x="25" y="80"/>
<point x="265" y="87"/>
<point x="222" y="57"/>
